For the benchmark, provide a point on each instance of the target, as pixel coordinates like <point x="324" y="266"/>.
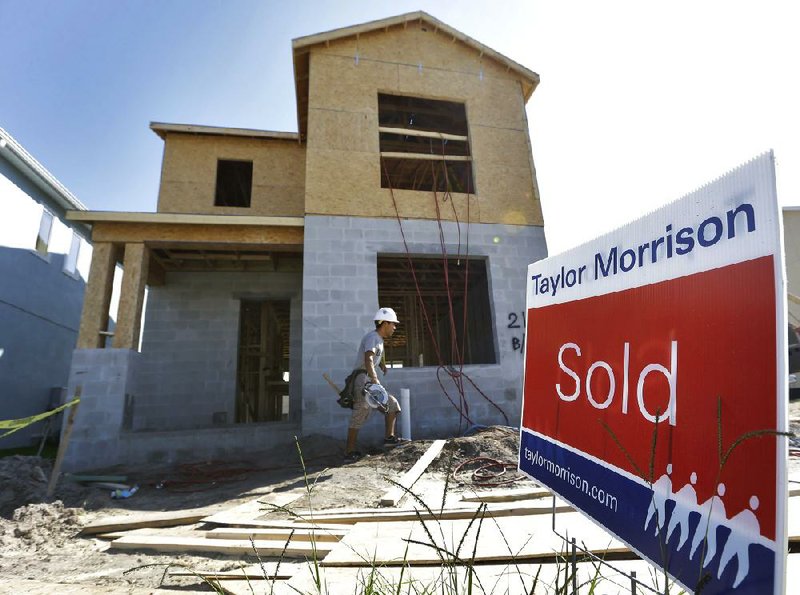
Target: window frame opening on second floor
<point x="424" y="144"/>
<point x="445" y="318"/>
<point x="234" y="183"/>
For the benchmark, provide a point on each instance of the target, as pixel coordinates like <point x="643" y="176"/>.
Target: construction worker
<point x="369" y="359"/>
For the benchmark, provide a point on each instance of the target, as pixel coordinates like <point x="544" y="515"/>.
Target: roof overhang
<point x="162" y="129"/>
<point x="187" y="242"/>
<point x="15" y="154"/>
<point x="91" y="217"/>
<point x="302" y="46"/>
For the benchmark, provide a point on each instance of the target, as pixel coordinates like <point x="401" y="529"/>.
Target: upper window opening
<point x="234" y="183"/>
<point x="424" y="144"/>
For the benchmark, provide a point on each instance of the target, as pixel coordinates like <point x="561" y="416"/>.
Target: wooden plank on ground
<point x="254" y="509"/>
<point x="287" y="524"/>
<point x="501" y="539"/>
<point x="394" y="495"/>
<point x="507" y="495"/>
<point x="35" y="587"/>
<point x="277" y="534"/>
<point x="466" y="511"/>
<point x="485" y="579"/>
<point x="148" y="519"/>
<point x="253" y="572"/>
<point x="222" y="546"/>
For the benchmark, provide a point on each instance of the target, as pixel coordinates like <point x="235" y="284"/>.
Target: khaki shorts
<point x="361" y="409"/>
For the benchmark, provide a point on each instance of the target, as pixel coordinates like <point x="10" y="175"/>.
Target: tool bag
<point x="347" y="395"/>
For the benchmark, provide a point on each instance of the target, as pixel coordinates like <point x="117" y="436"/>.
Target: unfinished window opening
<point x="412" y="344"/>
<point x="234" y="183"/>
<point x="424" y="144"/>
<point x="263" y="372"/>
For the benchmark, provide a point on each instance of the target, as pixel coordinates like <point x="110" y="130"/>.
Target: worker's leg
<point x="390" y="418"/>
<point x="392" y="409"/>
<point x="361" y="411"/>
<point x="352" y="436"/>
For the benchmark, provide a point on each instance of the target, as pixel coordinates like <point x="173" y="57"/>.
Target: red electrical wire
<point x="457" y="376"/>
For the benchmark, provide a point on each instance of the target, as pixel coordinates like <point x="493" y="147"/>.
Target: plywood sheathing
<point x="189" y="168"/>
<point x="134" y="280"/>
<point x="97" y="299"/>
<point x="302" y="47"/>
<point x="409" y="542"/>
<point x="343" y="160"/>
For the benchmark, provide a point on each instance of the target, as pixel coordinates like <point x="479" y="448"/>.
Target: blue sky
<point x="640" y="102"/>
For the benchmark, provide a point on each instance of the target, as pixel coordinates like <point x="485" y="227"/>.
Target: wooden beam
<point x="211" y="235"/>
<point x="425" y="133"/>
<point x="182" y="218"/>
<point x="272" y="570"/>
<point x="131" y="301"/>
<point x="425" y="156"/>
<point x="507" y="495"/>
<point x="502" y="509"/>
<point x="276" y="533"/>
<point x="97" y="297"/>
<point x="229" y="547"/>
<point x="63" y="443"/>
<point x="394" y="495"/>
<point x="147" y="519"/>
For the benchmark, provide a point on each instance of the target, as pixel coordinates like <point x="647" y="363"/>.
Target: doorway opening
<point x="263" y="367"/>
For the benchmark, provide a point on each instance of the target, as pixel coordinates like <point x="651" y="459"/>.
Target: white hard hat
<point x="386" y="314"/>
<point x="376" y="395"/>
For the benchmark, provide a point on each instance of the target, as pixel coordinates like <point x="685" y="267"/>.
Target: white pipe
<point x="405" y="413"/>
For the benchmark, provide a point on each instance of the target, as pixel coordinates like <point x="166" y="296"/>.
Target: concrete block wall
<point x="340" y="296"/>
<point x="105" y="377"/>
<point x="190" y="346"/>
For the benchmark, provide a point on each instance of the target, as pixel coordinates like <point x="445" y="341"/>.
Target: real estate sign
<point x="655" y="384"/>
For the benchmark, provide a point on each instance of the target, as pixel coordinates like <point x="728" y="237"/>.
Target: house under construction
<point x="409" y="184"/>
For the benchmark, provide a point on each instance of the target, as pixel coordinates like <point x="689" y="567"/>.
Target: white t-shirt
<point x="373" y="342"/>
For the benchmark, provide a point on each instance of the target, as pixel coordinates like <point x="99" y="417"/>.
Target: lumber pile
<point x="502" y="539"/>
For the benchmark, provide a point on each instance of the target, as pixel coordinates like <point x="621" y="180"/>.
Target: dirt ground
<point x="38" y="539"/>
<point x="38" y="536"/>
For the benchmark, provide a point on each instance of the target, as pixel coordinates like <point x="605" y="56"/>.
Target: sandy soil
<point x="38" y="536"/>
<point x="38" y="539"/>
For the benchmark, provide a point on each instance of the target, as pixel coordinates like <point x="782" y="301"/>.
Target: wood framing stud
<point x="135" y="267"/>
<point x="97" y="298"/>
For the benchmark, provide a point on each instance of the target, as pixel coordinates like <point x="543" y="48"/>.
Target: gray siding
<point x="40" y="310"/>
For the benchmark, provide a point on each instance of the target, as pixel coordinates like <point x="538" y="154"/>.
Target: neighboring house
<point x="43" y="262"/>
<point x="410" y="184"/>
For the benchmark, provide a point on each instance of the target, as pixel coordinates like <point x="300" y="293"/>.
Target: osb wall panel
<point x="189" y="170"/>
<point x="415" y="44"/>
<point x="343" y="166"/>
<point x="345" y="131"/>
